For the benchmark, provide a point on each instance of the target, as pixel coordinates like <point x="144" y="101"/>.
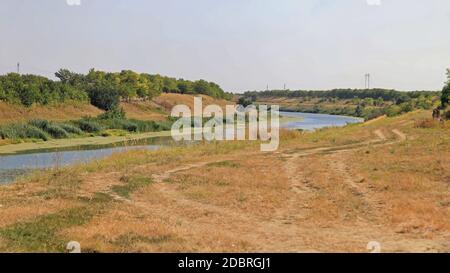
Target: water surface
<point x="13" y="166"/>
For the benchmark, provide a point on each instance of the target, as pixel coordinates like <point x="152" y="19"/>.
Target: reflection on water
<point x="12" y="166"/>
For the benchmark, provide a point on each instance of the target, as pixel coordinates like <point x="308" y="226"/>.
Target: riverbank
<point x="332" y="190"/>
<point x="60" y="144"/>
<point x="76" y="142"/>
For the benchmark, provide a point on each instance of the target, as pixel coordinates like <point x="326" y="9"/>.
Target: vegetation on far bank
<point x="367" y="104"/>
<point x="110" y="123"/>
<point x="102" y="89"/>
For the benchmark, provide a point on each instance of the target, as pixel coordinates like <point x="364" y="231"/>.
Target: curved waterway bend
<point x="13" y="166"/>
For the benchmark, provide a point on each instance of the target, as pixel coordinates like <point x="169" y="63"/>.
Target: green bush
<point x="393" y="110"/>
<point x="89" y="126"/>
<point x="152" y="126"/>
<point x="116" y="113"/>
<point x="447" y="115"/>
<point x="56" y="131"/>
<point x="121" y="124"/>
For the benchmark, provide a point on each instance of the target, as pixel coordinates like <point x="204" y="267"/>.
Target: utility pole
<point x="367" y="81"/>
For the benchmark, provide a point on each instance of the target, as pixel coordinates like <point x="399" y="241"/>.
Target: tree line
<point x="386" y="94"/>
<point x="364" y="103"/>
<point x="103" y="89"/>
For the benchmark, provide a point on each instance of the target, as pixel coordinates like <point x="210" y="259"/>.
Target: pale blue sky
<point x="241" y="44"/>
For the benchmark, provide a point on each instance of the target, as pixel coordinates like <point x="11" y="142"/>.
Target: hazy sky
<point x="240" y="44"/>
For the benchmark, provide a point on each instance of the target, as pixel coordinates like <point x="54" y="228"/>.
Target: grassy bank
<point x="111" y="123"/>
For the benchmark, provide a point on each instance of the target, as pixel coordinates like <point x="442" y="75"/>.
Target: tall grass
<point x="22" y="131"/>
<point x="51" y="128"/>
<point x="44" y="129"/>
<point x="89" y="126"/>
<point x="71" y="129"/>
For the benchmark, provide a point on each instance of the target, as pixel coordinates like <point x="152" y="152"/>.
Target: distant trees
<point x="30" y="89"/>
<point x="347" y="94"/>
<point x="367" y="104"/>
<point x="103" y="89"/>
<point x="245" y="101"/>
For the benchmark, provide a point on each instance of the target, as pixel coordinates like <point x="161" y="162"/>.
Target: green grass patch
<point x="41" y="234"/>
<point x="226" y="164"/>
<point x="130" y="185"/>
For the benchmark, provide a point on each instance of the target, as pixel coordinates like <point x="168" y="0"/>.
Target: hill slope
<point x="157" y="109"/>
<point x="10" y="113"/>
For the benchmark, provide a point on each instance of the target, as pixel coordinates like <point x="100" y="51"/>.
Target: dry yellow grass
<point x="15" y="113"/>
<point x="168" y="101"/>
<point x="144" y="110"/>
<point x="157" y="109"/>
<point x="329" y="191"/>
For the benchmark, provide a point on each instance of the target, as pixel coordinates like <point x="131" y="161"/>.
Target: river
<point x="13" y="166"/>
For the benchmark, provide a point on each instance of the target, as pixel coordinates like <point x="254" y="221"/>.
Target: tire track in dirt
<point x="278" y="232"/>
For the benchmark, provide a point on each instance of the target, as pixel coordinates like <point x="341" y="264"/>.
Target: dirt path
<point x="401" y="135"/>
<point x="278" y="233"/>
<point x="288" y="230"/>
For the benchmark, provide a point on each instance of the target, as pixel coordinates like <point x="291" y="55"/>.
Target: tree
<point x="445" y="98"/>
<point x="104" y="96"/>
<point x="245" y="101"/>
<point x="201" y="87"/>
<point x="68" y="77"/>
<point x="29" y="95"/>
<point x="170" y="85"/>
<point x="2" y="94"/>
<point x="185" y="87"/>
<point x="359" y="111"/>
<point x="379" y="101"/>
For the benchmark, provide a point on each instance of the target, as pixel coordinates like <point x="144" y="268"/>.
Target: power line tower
<point x="367" y="81"/>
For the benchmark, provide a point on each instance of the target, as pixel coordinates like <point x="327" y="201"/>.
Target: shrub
<point x="104" y="96"/>
<point x="89" y="126"/>
<point x="71" y="129"/>
<point x="40" y="123"/>
<point x="116" y="113"/>
<point x="393" y="110"/>
<point x="447" y="115"/>
<point x="152" y="126"/>
<point x="56" y="131"/>
<point x="121" y="124"/>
